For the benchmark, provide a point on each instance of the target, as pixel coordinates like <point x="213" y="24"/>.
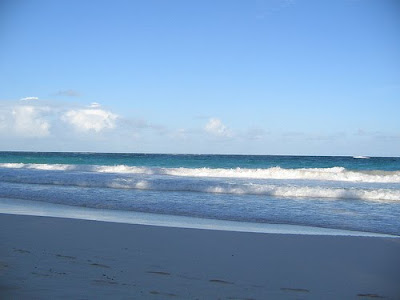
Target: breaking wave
<point x="326" y="174"/>
<point x="203" y="185"/>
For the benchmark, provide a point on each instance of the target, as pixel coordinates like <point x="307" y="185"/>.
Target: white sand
<point x="53" y="258"/>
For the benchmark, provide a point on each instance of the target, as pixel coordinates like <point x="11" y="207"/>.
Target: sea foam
<point x="238" y="186"/>
<point x="328" y="174"/>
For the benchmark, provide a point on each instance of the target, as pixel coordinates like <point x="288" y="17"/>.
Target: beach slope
<point x="53" y="258"/>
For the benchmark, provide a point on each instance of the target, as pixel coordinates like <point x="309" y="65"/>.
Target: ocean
<point x="352" y="193"/>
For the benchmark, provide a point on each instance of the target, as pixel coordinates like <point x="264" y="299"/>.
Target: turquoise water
<point x="334" y="192"/>
<point x="199" y="161"/>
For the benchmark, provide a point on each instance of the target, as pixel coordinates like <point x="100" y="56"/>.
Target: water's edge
<point x="34" y="208"/>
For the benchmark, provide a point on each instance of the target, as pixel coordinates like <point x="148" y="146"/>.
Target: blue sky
<point x="251" y="77"/>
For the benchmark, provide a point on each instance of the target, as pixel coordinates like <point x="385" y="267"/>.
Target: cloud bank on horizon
<point x="54" y="126"/>
<point x="43" y="119"/>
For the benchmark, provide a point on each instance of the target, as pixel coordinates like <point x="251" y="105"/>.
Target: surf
<point x="209" y="185"/>
<point x="328" y="174"/>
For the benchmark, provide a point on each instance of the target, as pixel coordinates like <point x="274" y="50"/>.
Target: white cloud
<point x="215" y="127"/>
<point x="28" y="121"/>
<point x="94" y="105"/>
<point x="29" y="98"/>
<point x="90" y="119"/>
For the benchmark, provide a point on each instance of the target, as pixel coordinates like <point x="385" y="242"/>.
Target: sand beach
<point x="59" y="258"/>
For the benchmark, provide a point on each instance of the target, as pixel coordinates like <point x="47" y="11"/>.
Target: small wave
<point x="329" y="174"/>
<point x="48" y="167"/>
<point x="174" y="184"/>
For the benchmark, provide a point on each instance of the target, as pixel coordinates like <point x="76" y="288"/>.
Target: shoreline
<point x="37" y="208"/>
<point x="49" y="258"/>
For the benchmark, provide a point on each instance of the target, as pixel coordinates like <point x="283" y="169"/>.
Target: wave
<point x="261" y="189"/>
<point x="217" y="186"/>
<point x="326" y="174"/>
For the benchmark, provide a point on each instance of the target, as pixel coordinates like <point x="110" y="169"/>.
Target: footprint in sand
<point x="56" y="272"/>
<point x="159" y="273"/>
<point x="100" y="265"/>
<point x="3" y="266"/>
<point x="220" y="281"/>
<point x="65" y="256"/>
<point x="162" y="294"/>
<point x="370" y="296"/>
<point x="21" y="251"/>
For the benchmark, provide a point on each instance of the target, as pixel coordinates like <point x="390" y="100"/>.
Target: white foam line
<point x="34" y="208"/>
<point x="332" y="174"/>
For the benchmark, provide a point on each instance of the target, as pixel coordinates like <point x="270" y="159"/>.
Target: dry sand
<point x="56" y="258"/>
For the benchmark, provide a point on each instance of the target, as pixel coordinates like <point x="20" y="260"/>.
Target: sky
<point x="290" y="77"/>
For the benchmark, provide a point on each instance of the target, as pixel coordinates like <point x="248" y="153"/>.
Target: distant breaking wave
<point x="326" y="174"/>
